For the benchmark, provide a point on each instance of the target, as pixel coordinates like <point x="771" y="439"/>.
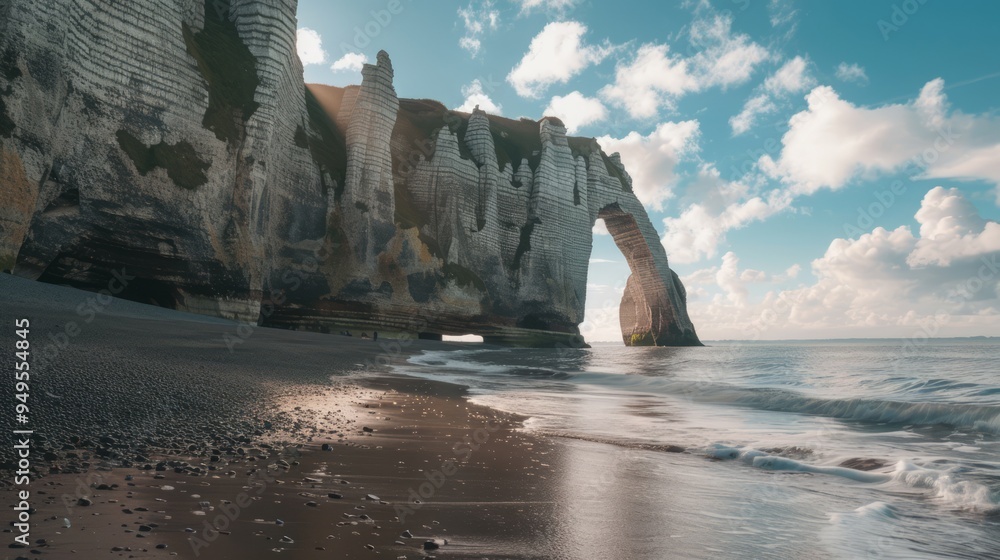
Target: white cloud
<point x="601" y="322"/>
<point x="791" y="78"/>
<point x="350" y="62"/>
<point x="477" y="20"/>
<point x="851" y="73"/>
<point x="555" y="55"/>
<point x="791" y="273"/>
<point x="727" y="59"/>
<point x="528" y="6"/>
<point x="309" y="45"/>
<point x="602" y="261"/>
<point x="652" y="80"/>
<point x="655" y="78"/>
<point x="475" y="96"/>
<point x="719" y="206"/>
<point x="751" y="276"/>
<point x="600" y="228"/>
<point x="698" y="232"/>
<point x="700" y="277"/>
<point x="782" y="13"/>
<point x="730" y="280"/>
<point x="951" y="229"/>
<point x="651" y="159"/>
<point x="833" y="142"/>
<point x="576" y="110"/>
<point x="757" y="105"/>
<point x="943" y="282"/>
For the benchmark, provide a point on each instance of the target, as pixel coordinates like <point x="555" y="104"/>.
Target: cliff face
<point x="179" y="149"/>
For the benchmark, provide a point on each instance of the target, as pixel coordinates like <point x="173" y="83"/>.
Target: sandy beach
<point x="152" y="439"/>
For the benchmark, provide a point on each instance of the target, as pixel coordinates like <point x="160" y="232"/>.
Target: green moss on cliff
<point x="182" y="163"/>
<point x="229" y="68"/>
<point x="7" y="262"/>
<point x="644" y="339"/>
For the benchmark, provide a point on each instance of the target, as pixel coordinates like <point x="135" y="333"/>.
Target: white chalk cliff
<point x="181" y="146"/>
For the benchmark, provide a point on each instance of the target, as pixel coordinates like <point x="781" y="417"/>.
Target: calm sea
<point x="770" y="431"/>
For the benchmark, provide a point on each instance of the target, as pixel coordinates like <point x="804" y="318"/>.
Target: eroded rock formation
<point x="179" y="148"/>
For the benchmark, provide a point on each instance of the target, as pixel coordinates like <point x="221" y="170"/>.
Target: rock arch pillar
<point x="653" y="309"/>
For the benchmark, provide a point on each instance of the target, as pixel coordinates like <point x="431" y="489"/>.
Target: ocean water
<point x="769" y="433"/>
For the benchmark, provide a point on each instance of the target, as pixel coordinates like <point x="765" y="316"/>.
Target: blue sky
<point x="820" y="169"/>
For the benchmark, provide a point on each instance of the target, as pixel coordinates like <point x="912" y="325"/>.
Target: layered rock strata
<point x="178" y="149"/>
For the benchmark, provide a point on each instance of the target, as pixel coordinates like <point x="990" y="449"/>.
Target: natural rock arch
<point x="653" y="310"/>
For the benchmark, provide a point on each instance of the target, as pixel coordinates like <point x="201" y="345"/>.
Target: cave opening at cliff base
<point x="466" y="338"/>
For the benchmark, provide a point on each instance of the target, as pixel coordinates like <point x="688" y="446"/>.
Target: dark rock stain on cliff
<point x="323" y="209"/>
<point x="181" y="161"/>
<point x="229" y="68"/>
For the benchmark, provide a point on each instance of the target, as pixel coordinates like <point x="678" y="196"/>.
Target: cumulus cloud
<point x="555" y="55"/>
<point x="576" y="110"/>
<point x="944" y="281"/>
<point x="951" y="229"/>
<point x="309" y="45"/>
<point x="652" y="80"/>
<point x="477" y="20"/>
<point x="656" y="78"/>
<point x="698" y="232"/>
<point x="726" y="58"/>
<point x="791" y="78"/>
<point x="475" y="96"/>
<point x="350" y="62"/>
<point x="833" y="142"/>
<point x="651" y="159"/>
<point x="735" y="278"/>
<point x="851" y="73"/>
<point x="719" y="206"/>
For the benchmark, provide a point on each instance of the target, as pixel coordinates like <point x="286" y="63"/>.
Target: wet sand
<point x="432" y="466"/>
<point x="153" y="440"/>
